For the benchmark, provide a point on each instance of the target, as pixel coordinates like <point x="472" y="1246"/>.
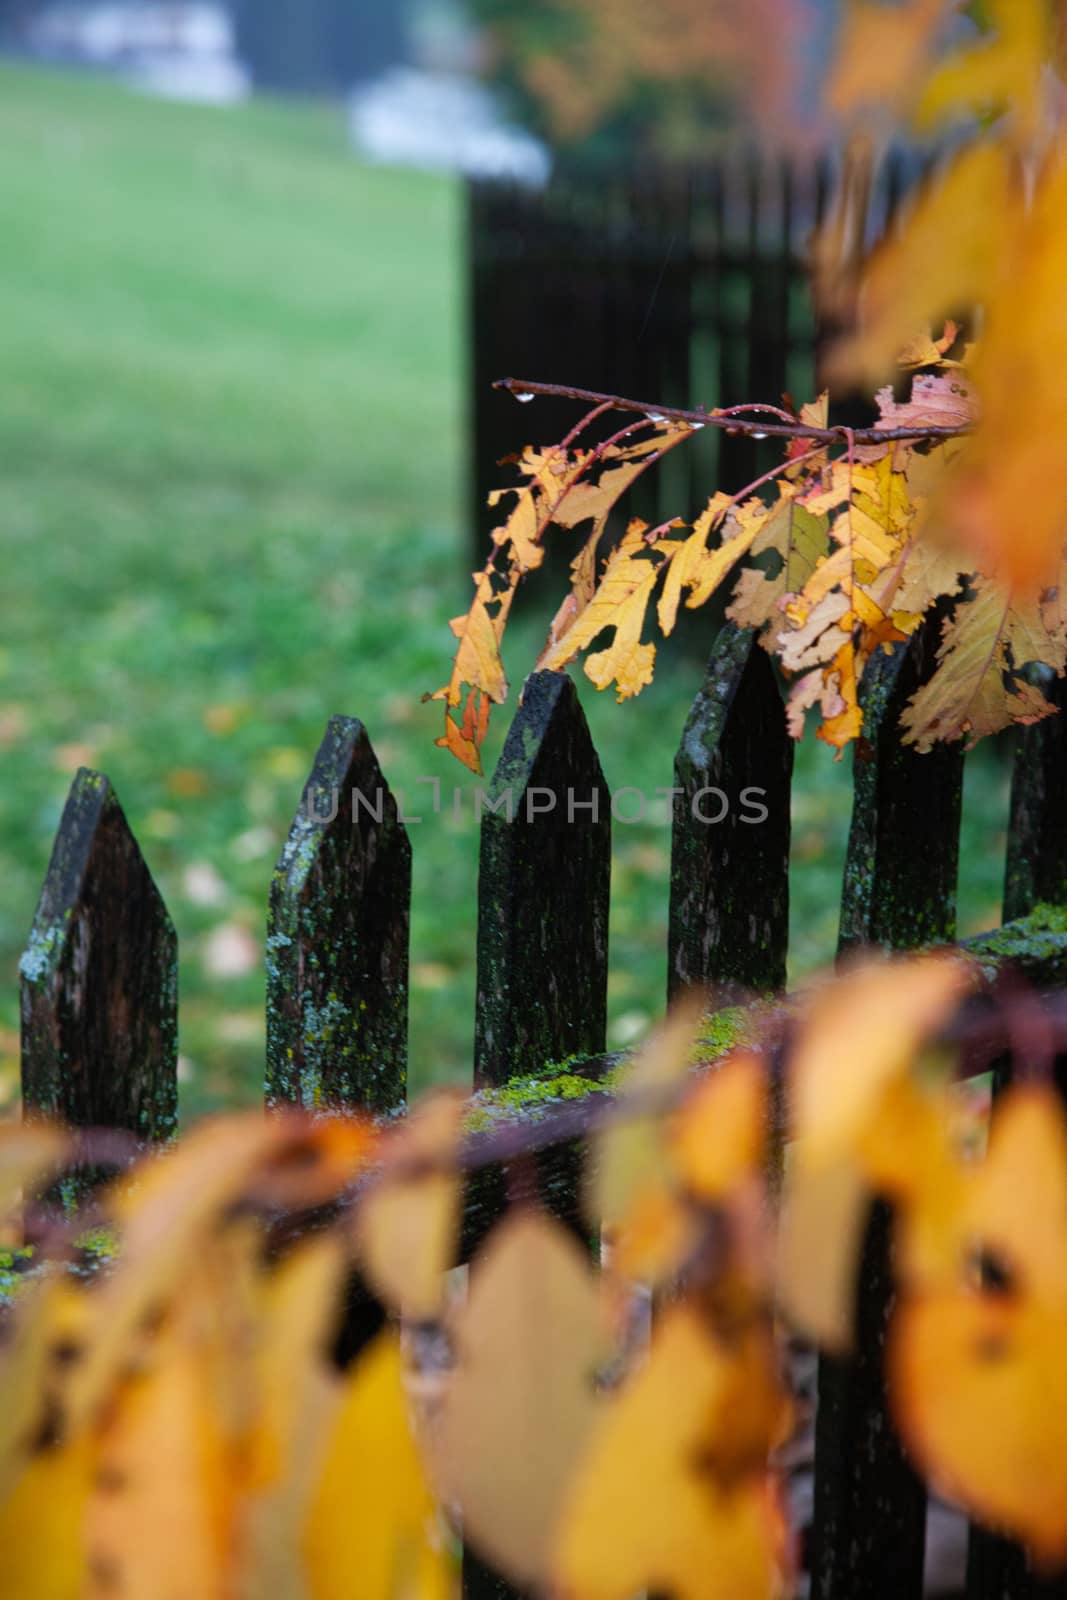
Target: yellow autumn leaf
<point x="856" y="1035"/>
<point x="700" y="570"/>
<point x="298" y="1309"/>
<point x="949" y="254"/>
<point x="43" y="1524"/>
<point x="408" y="1226"/>
<point x="968" y="696"/>
<point x="649" y="1511"/>
<point x="620" y="602"/>
<point x="1001" y="71"/>
<point x="520" y="1403"/>
<point x="821" y="1224"/>
<point x="1008" y="501"/>
<point x="801" y="539"/>
<point x="843" y="720"/>
<point x="632" y="1186"/>
<point x="975" y="1362"/>
<point x="162" y="1515"/>
<point x="175" y="1197"/>
<point x="373" y="1528"/>
<point x="295" y="1403"/>
<point x="979" y="1393"/>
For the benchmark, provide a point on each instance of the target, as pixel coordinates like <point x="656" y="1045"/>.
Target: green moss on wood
<point x="1034" y="946"/>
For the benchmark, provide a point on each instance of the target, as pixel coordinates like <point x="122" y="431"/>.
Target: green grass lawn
<point x="231" y="436"/>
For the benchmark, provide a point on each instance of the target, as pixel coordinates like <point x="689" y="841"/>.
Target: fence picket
<point x="903" y="846"/>
<point x="543" y="886"/>
<point x="899" y="893"/>
<point x="1035" y="870"/>
<point x="1036" y="864"/>
<point x="337" y="937"/>
<point x="99" y="978"/>
<point x="729" y="906"/>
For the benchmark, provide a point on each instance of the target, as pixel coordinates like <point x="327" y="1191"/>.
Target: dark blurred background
<point x="261" y="263"/>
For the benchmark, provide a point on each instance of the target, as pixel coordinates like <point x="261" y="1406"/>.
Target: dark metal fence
<point x="683" y="286"/>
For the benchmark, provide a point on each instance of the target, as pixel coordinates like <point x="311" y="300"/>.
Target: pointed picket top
<point x="543" y="886"/>
<point x="99" y="978"/>
<point x="337" y="938"/>
<point x="729" y="909"/>
<point x="903" y="846"/>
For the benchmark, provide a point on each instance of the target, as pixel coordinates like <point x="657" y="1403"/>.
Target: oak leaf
<point x="620" y="602"/>
<point x="970" y="694"/>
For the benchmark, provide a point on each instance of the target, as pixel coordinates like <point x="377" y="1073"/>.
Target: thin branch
<point x="731" y="423"/>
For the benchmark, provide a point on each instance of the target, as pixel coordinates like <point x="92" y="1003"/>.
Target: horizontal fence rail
<point x="99" y="996"/>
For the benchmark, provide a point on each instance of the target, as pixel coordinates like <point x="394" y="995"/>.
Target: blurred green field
<point x="231" y="434"/>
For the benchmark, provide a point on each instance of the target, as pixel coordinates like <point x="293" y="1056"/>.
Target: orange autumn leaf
<point x="719" y="1136"/>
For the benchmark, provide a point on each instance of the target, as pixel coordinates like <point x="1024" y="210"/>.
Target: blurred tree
<point x="319" y="46"/>
<point x="614" y="75"/>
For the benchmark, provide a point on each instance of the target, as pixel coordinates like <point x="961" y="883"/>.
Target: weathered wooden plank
<point x="903" y="846"/>
<point x="869" y="1521"/>
<point x="99" y="978"/>
<point x="729" y="906"/>
<point x="899" y="893"/>
<point x="337" y="939"/>
<point x="1035" y="868"/>
<point x="543" y="888"/>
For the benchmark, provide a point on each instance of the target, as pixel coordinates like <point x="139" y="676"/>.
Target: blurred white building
<point x="443" y="121"/>
<point x="183" y="49"/>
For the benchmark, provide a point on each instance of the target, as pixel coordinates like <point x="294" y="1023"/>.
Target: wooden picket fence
<point x="99" y="995"/>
